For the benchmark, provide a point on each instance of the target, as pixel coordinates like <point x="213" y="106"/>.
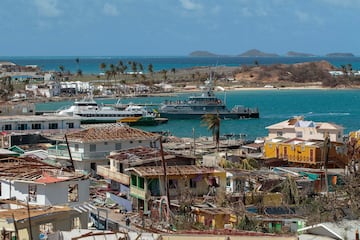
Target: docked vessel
<point x="206" y="103"/>
<point x="90" y="112"/>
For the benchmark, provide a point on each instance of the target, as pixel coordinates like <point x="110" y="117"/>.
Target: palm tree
<point x="141" y="67"/>
<point x="151" y="69"/>
<point x="77" y="60"/>
<point x="134" y="69"/>
<point x="212" y="121"/>
<point x="113" y="71"/>
<point x="164" y="72"/>
<point x="102" y="66"/>
<point x="79" y="73"/>
<point x="62" y="69"/>
<point x="173" y="70"/>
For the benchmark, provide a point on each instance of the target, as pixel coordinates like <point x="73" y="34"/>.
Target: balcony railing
<point x="105" y="172"/>
<point x="64" y="154"/>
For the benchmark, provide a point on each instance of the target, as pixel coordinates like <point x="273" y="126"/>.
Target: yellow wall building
<point x="303" y="152"/>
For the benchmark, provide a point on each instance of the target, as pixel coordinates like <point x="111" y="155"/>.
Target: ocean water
<point x="337" y="106"/>
<point x="91" y="64"/>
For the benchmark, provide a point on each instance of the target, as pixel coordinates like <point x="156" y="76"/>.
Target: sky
<point x="177" y="27"/>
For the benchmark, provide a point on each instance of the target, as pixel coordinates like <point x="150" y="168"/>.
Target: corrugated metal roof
<point x="154" y="171"/>
<point x="138" y="153"/>
<point x="30" y="169"/>
<point x="110" y="132"/>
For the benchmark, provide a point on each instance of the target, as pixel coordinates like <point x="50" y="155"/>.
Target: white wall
<point x="47" y="194"/>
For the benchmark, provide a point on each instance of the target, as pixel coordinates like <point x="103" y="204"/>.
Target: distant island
<point x="298" y="54"/>
<point x="203" y="54"/>
<point x="340" y="55"/>
<point x="258" y="53"/>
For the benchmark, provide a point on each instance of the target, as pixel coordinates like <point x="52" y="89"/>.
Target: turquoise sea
<point x="91" y="64"/>
<point x="337" y="106"/>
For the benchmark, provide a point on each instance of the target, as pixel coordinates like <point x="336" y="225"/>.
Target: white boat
<point x="89" y="112"/>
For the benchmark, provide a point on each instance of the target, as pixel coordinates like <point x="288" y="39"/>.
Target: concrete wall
<point x="47" y="194"/>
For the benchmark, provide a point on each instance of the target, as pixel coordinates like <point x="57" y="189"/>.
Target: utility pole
<point x="193" y="131"/>
<point x="29" y="219"/>
<point x="166" y="183"/>
<point x="70" y="156"/>
<point x="326" y="160"/>
<point x="15" y="227"/>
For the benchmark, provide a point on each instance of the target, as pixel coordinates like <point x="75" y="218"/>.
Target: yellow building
<point x="305" y="152"/>
<point x="354" y="145"/>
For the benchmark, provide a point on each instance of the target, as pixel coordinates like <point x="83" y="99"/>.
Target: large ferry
<point x="90" y="112"/>
<point x="206" y="103"/>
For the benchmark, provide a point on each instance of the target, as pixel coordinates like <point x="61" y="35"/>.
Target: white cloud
<point x="307" y="18"/>
<point x="48" y="8"/>
<point x="110" y="10"/>
<point x="302" y="16"/>
<point x="190" y="5"/>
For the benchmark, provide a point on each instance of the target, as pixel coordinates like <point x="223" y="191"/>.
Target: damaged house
<point x="39" y="197"/>
<point x="90" y="147"/>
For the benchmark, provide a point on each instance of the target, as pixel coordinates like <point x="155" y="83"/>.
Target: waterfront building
<point x="297" y="127"/>
<point x="20" y="130"/>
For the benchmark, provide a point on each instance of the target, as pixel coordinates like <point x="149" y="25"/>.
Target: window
<point x="228" y="181"/>
<point x="92" y="147"/>
<point x="0" y="189"/>
<point x="139" y="141"/>
<point x="279" y="134"/>
<point x="192" y="183"/>
<point x="53" y="126"/>
<point x="7" y="127"/>
<point x="133" y="180"/>
<point x="70" y="125"/>
<point x="299" y="134"/>
<point x="76" y="224"/>
<point x="36" y="126"/>
<point x="22" y="127"/>
<point x="46" y="228"/>
<point x="105" y="143"/>
<point x="131" y="142"/>
<point x="73" y="193"/>
<point x="76" y="147"/>
<point x="311" y="155"/>
<point x="173" y="183"/>
<point x="117" y="146"/>
<point x="141" y="182"/>
<point x="32" y="193"/>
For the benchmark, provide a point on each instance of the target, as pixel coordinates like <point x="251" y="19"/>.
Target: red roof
<point x="46" y="178"/>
